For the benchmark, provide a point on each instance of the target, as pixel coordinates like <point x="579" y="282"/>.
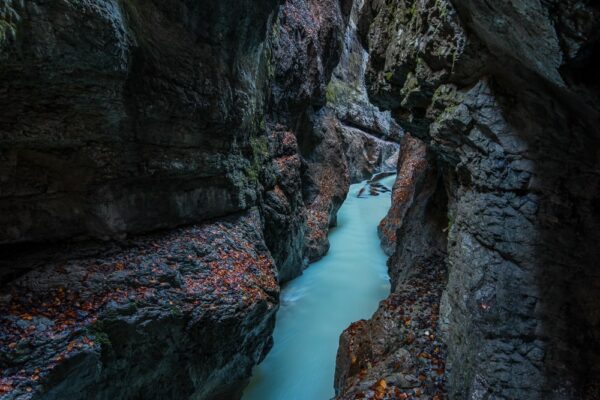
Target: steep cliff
<point x="350" y="141"/>
<point x="503" y="96"/>
<point x="306" y="45"/>
<point x="123" y="117"/>
<point x="152" y="188"/>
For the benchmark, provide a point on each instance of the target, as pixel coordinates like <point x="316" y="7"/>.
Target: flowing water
<point x="343" y="287"/>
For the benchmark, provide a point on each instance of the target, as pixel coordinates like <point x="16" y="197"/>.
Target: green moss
<point x="340" y="92"/>
<point x="260" y="153"/>
<point x="175" y="311"/>
<point x="260" y="147"/>
<point x="275" y="30"/>
<point x="412" y="11"/>
<point x="8" y="31"/>
<point x="450" y="222"/>
<point x="442" y="7"/>
<point x="271" y="63"/>
<point x="98" y="333"/>
<point x="388" y="76"/>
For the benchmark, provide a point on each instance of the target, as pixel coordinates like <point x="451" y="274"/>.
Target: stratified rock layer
<point x="503" y="96"/>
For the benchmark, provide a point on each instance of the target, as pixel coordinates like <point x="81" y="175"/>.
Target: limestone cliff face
<point x="503" y="96"/>
<point x="124" y="117"/>
<point x="370" y="136"/>
<point x="152" y="116"/>
<point x="350" y="141"/>
<point x="151" y="188"/>
<point x="306" y="41"/>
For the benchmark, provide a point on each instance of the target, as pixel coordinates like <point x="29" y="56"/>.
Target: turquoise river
<point x="343" y="287"/>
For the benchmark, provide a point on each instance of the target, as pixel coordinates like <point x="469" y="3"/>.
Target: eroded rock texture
<point x="306" y="45"/>
<point x="185" y="314"/>
<point x="400" y="353"/>
<point x="502" y="95"/>
<point x="121" y="118"/>
<point x="370" y="136"/>
<point x="350" y="141"/>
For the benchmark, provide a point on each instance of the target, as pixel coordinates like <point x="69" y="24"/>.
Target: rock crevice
<point x="488" y="89"/>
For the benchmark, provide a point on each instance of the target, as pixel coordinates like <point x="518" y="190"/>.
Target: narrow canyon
<point x="299" y="199"/>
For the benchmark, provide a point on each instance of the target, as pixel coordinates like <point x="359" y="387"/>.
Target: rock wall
<point x="125" y="117"/>
<point x="160" y="115"/>
<point x="502" y="96"/>
<point x="126" y="126"/>
<point x="305" y="46"/>
<point x="184" y="314"/>
<point x="350" y="141"/>
<point x="370" y="136"/>
<point x="400" y="352"/>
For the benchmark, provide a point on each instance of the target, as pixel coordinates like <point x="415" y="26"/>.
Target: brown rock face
<point x="501" y="95"/>
<point x="412" y="170"/>
<point x="398" y="353"/>
<point x="326" y="185"/>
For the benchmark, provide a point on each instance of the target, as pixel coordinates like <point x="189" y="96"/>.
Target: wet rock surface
<point x="125" y="118"/>
<point x="398" y="354"/>
<point x="370" y="136"/>
<point x="122" y="118"/>
<point x="184" y="314"/>
<point x="305" y="47"/>
<point x="326" y="183"/>
<point x="412" y="169"/>
<point x="351" y="140"/>
<point x="491" y="91"/>
<point x="159" y="115"/>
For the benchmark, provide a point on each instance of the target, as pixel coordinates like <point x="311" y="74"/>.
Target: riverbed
<point x="343" y="287"/>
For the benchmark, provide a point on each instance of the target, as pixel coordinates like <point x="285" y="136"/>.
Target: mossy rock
<point x="340" y="92"/>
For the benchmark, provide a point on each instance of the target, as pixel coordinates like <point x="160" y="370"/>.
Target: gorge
<point x="345" y="286"/>
<point x="168" y="166"/>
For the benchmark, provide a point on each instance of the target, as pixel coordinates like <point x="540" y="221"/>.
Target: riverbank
<point x="343" y="287"/>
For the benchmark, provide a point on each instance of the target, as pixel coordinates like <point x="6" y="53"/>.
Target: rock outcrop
<point x="350" y="141"/>
<point x="400" y="353"/>
<point x="412" y="170"/>
<point x="129" y="118"/>
<point x="184" y="314"/>
<point x="370" y="136"/>
<point x="126" y="117"/>
<point x="306" y="44"/>
<point x="502" y="95"/>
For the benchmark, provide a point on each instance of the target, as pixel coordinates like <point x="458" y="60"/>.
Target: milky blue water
<point x="343" y="287"/>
